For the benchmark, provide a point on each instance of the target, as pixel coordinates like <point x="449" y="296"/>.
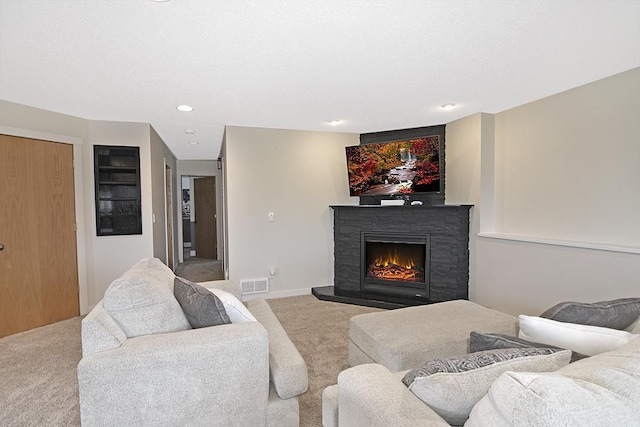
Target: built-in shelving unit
<point x="117" y="179"/>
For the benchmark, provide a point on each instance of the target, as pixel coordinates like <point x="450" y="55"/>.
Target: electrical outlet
<point x="271" y="216"/>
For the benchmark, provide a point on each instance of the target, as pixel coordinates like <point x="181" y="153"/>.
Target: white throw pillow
<point x="584" y="339"/>
<point x="600" y="391"/>
<point x="634" y="328"/>
<point x="235" y="309"/>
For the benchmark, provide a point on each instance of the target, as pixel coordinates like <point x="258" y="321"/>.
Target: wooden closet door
<point x="38" y="262"/>
<point x="204" y="196"/>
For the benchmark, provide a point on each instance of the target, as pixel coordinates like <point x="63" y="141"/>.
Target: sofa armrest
<point x="209" y="376"/>
<point x="371" y="395"/>
<point x="231" y="286"/>
<point x="287" y="368"/>
<point x="100" y="332"/>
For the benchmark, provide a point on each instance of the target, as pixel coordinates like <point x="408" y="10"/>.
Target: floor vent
<point x="255" y="286"/>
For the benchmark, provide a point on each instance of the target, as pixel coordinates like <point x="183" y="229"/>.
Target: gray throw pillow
<point x="481" y="341"/>
<point x="471" y="361"/>
<point x="451" y="387"/>
<point x="201" y="307"/>
<point x="615" y="314"/>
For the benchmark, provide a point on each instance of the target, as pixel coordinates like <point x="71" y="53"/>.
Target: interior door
<point x="204" y="196"/>
<point x="38" y="260"/>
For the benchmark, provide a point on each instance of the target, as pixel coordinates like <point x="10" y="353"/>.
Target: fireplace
<point x="427" y="251"/>
<point x="395" y="264"/>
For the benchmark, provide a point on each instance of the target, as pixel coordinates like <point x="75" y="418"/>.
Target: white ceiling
<point x="376" y="65"/>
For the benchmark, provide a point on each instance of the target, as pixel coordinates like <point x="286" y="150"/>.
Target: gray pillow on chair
<point x="615" y="314"/>
<point x="201" y="307"/>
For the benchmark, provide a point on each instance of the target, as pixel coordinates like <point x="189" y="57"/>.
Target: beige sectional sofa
<point x="527" y="386"/>
<point x="143" y="364"/>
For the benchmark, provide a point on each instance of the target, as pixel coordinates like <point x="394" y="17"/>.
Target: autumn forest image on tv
<point x="398" y="167"/>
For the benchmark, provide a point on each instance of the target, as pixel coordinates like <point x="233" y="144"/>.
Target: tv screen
<point x="394" y="168"/>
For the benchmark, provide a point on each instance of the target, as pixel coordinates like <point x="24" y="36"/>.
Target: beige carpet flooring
<point x="200" y="269"/>
<point x="38" y="385"/>
<point x="319" y="330"/>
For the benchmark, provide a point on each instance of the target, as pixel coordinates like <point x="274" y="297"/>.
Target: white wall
<point x="296" y="175"/>
<point x="559" y="207"/>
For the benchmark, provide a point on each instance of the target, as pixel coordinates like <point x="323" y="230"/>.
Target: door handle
<point x="1" y="246"/>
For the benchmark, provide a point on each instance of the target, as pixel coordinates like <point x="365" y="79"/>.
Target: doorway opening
<point x="200" y="229"/>
<point x="199" y="219"/>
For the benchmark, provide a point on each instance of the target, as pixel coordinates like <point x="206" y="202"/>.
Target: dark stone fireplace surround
<point x="448" y="267"/>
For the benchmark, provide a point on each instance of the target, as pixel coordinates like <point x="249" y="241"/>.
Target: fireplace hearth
<point x="395" y="256"/>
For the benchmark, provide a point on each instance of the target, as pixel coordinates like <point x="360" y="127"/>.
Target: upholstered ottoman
<point x="404" y="338"/>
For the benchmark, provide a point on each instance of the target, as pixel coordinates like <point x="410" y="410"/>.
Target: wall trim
<point x="278" y="294"/>
<point x="566" y="243"/>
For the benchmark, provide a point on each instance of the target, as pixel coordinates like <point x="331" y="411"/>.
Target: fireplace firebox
<point x="395" y="264"/>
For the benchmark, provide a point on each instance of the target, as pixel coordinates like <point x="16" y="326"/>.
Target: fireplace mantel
<point x="447" y="226"/>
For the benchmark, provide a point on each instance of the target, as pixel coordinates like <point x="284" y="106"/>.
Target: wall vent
<point x="254" y="286"/>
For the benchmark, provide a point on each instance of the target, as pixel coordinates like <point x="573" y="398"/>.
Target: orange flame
<point x="394" y="258"/>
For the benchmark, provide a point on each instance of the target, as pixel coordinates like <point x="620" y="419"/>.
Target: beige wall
<point x="568" y="165"/>
<point x="463" y="175"/>
<point x="554" y="182"/>
<point x="100" y="259"/>
<point x="296" y="175"/>
<point x="161" y="157"/>
<point x="113" y="255"/>
<point x="557" y="200"/>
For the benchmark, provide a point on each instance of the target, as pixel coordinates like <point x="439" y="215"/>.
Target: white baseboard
<point x="278" y="294"/>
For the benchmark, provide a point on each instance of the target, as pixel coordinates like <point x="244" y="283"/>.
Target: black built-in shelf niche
<point x="117" y="181"/>
<point x="435" y="198"/>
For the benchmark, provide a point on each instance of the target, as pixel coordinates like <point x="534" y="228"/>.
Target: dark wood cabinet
<point x="117" y="179"/>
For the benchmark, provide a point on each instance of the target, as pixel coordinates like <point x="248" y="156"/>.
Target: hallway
<point x="200" y="269"/>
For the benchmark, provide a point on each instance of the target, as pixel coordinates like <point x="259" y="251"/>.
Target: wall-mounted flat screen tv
<point x="394" y="168"/>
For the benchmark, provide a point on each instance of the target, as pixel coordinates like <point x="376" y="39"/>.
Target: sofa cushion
<point x="602" y="390"/>
<point x="202" y="308"/>
<point x="615" y="314"/>
<point x="441" y="330"/>
<point x="141" y="301"/>
<point x="585" y="339"/>
<point x="451" y="387"/>
<point x="481" y="341"/>
<point x="235" y="309"/>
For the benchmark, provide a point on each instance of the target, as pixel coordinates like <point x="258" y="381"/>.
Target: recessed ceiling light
<point x="184" y="108"/>
<point x="189" y="131"/>
<point x="334" y="122"/>
<point x="448" y="106"/>
<point x="193" y="143"/>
